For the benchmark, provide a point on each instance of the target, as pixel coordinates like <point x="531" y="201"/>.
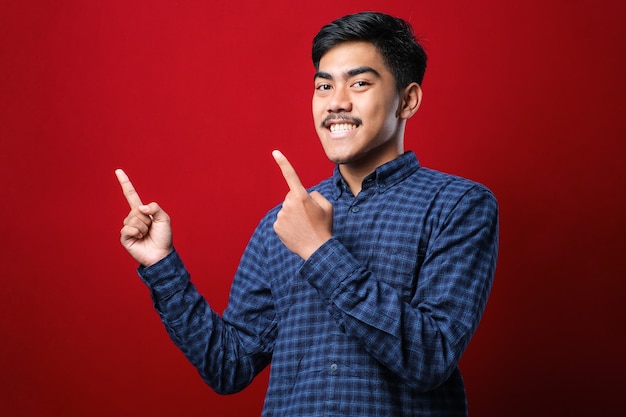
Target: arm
<point x="227" y="354"/>
<point x="421" y="341"/>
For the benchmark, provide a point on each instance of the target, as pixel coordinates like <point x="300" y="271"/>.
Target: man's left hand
<point x="305" y="221"/>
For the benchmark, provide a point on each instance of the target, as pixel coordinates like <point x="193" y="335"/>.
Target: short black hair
<point x="393" y="37"/>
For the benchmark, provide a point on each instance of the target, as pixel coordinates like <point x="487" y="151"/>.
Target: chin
<point x="338" y="158"/>
<point x="334" y="159"/>
<point x="337" y="154"/>
<point x="344" y="159"/>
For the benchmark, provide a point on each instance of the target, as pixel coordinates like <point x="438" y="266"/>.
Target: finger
<point x="131" y="233"/>
<point x="142" y="223"/>
<point x="293" y="181"/>
<point x="127" y="188"/>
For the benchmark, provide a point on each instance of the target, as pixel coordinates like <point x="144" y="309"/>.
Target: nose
<point x="340" y="101"/>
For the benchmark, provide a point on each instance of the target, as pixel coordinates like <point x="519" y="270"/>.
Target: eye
<point x="323" y="87"/>
<point x="361" y="84"/>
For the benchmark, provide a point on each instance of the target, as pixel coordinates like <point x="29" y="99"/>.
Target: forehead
<point x="349" y="55"/>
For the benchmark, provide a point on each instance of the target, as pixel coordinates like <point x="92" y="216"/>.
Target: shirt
<point x="373" y="323"/>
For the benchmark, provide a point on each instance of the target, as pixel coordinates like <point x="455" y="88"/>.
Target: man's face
<point x="356" y="107"/>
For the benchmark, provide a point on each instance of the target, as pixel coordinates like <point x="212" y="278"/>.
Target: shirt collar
<point x="384" y="177"/>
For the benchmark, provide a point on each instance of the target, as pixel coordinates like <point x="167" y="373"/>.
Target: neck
<point x="354" y="173"/>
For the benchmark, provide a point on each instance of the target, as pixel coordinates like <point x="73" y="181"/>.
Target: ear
<point x="411" y="97"/>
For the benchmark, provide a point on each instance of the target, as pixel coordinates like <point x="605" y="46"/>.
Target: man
<point x="363" y="292"/>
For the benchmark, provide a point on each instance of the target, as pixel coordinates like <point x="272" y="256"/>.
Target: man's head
<point x="393" y="38"/>
<point x="366" y="86"/>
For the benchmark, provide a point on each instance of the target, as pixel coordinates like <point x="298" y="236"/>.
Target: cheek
<point x="385" y="114"/>
<point x="317" y="112"/>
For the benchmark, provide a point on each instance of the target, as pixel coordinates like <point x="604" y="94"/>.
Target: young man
<point x="363" y="292"/>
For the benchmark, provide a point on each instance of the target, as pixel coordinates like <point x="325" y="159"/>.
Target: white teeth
<point x="342" y="127"/>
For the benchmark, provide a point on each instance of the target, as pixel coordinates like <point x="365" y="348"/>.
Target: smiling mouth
<point x="341" y="123"/>
<point x="342" y="127"/>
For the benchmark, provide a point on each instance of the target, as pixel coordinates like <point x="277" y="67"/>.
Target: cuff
<point x="328" y="267"/>
<point x="165" y="277"/>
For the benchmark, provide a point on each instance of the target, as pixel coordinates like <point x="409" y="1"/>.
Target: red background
<point x="190" y="97"/>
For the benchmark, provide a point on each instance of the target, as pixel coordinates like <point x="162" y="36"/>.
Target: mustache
<point x="342" y="118"/>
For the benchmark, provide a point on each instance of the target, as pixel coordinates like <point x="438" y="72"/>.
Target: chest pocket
<point x="397" y="264"/>
<point x="396" y="258"/>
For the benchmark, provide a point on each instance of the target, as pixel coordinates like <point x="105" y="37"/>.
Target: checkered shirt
<point x="373" y="323"/>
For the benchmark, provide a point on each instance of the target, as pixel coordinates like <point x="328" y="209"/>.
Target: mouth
<point x="341" y="123"/>
<point x="342" y="127"/>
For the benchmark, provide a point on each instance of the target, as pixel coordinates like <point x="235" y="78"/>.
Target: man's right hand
<point x="147" y="233"/>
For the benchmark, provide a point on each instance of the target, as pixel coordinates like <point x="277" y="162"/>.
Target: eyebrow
<point x="349" y="74"/>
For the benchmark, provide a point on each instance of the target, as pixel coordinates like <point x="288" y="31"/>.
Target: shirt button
<point x="333" y="367"/>
<point x="355" y="209"/>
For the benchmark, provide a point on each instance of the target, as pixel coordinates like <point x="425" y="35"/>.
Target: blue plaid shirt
<point x="373" y="323"/>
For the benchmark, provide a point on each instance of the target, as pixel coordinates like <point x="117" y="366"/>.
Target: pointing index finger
<point x="127" y="188"/>
<point x="289" y="173"/>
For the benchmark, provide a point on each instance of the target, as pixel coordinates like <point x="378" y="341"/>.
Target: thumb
<point x="322" y="201"/>
<point x="155" y="211"/>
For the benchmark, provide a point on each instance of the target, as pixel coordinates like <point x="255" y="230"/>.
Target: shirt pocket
<point x="396" y="264"/>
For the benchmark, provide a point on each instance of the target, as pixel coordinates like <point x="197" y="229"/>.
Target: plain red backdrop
<point x="190" y="97"/>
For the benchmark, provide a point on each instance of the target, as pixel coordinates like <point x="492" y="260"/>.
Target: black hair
<point x="393" y="37"/>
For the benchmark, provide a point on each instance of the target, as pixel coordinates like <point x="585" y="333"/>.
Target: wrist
<point x="311" y="249"/>
<point x="156" y="258"/>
